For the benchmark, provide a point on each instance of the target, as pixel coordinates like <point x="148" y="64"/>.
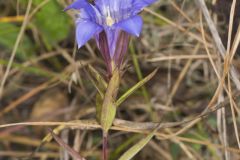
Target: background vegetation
<point x="44" y="79"/>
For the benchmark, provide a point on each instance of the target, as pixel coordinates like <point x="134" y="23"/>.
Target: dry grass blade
<point x="233" y="113"/>
<point x="181" y="76"/>
<point x="179" y="27"/>
<point x="72" y="152"/>
<point x="212" y="27"/>
<point x="23" y="98"/>
<point x="233" y="7"/>
<point x="217" y="39"/>
<point x="236" y="43"/>
<point x="19" y="154"/>
<point x="12" y="19"/>
<point x="13" y="54"/>
<point x="233" y="51"/>
<point x="92" y="124"/>
<point x="27" y="141"/>
<point x="179" y="57"/>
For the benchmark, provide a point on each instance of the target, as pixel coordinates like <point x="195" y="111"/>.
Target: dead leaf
<point x="49" y="103"/>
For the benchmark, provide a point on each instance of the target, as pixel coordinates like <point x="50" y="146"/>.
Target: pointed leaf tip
<point x="135" y="87"/>
<point x="130" y="153"/>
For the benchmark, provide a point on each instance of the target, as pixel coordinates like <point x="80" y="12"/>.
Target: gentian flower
<point x="111" y="22"/>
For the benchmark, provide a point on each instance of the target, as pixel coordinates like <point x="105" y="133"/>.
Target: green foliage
<point x="52" y="22"/>
<point x="130" y="153"/>
<point x="123" y="146"/>
<point x="108" y="106"/>
<point x="101" y="86"/>
<point x="99" y="101"/>
<point x="98" y="81"/>
<point x="175" y="151"/>
<point x="135" y="87"/>
<point x="8" y="36"/>
<point x="196" y="136"/>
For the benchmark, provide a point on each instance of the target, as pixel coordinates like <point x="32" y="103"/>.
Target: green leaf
<point x="101" y="86"/>
<point x="108" y="107"/>
<point x="8" y="37"/>
<point x="29" y="69"/>
<point x="52" y="22"/>
<point x="135" y="87"/>
<point x="107" y="116"/>
<point x="98" y="81"/>
<point x="98" y="77"/>
<point x="129" y="154"/>
<point x="175" y="151"/>
<point x="99" y="102"/>
<point x="116" y="153"/>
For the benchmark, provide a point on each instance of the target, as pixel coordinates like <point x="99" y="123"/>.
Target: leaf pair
<point x="102" y="85"/>
<point x="106" y="105"/>
<point x="135" y="87"/>
<point x="109" y="108"/>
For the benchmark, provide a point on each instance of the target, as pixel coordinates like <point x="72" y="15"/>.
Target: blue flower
<point x="111" y="22"/>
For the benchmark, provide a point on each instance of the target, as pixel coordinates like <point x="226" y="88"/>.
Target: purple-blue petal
<point x="131" y="25"/>
<point x="117" y="5"/>
<point x="117" y="8"/>
<point x="112" y="36"/>
<point x="78" y="4"/>
<point x="138" y="5"/>
<point x="87" y="11"/>
<point x="85" y="30"/>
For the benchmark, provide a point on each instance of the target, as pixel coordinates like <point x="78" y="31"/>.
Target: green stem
<point x="108" y="109"/>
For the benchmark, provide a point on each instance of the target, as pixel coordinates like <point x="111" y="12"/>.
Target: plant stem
<point x="105" y="146"/>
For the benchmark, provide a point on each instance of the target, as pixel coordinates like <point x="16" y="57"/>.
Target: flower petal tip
<point x="78" y="4"/>
<point x="65" y="9"/>
<point x="79" y="45"/>
<point x="138" y="35"/>
<point x="132" y="25"/>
